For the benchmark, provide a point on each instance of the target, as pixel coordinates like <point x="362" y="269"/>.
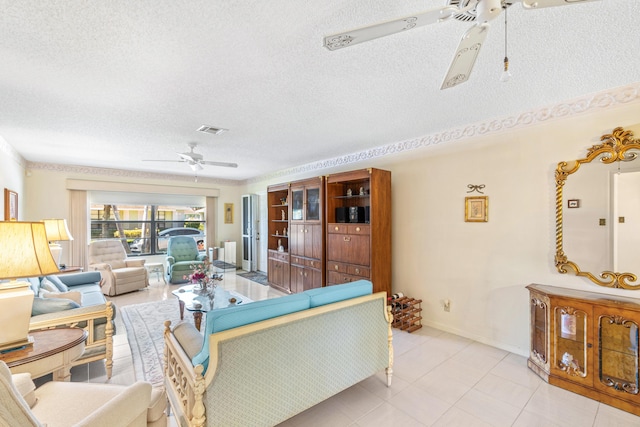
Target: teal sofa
<point x="93" y="312"/>
<point x="261" y="363"/>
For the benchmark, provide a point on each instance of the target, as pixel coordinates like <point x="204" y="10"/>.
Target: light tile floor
<point x="439" y="379"/>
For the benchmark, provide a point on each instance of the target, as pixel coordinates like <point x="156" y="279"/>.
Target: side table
<point x="70" y="269"/>
<point x="157" y="268"/>
<point x="52" y="351"/>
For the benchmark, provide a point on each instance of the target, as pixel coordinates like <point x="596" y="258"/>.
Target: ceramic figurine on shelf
<point x="349" y="192"/>
<point x="280" y="247"/>
<point x="285" y="231"/>
<point x="362" y="191"/>
<point x="284" y="216"/>
<point x="277" y="233"/>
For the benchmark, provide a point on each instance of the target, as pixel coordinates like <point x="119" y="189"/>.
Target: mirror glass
<point x="598" y="212"/>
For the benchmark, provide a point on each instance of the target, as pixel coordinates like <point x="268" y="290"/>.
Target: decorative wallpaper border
<point x="585" y="104"/>
<point x="123" y="173"/>
<point x="577" y="106"/>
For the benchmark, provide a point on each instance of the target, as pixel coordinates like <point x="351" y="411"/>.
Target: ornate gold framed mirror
<point x="600" y="228"/>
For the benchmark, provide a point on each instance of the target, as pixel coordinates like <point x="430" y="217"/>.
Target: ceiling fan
<point x="481" y="11"/>
<point x="195" y="160"/>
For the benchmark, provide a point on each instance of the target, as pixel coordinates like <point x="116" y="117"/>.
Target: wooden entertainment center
<point x="330" y="230"/>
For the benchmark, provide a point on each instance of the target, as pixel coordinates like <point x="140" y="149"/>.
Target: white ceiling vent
<point x="211" y="129"/>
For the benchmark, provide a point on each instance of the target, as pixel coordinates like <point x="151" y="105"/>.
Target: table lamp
<point x="56" y="231"/>
<point x="24" y="252"/>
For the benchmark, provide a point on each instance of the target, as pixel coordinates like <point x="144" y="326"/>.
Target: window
<point x="147" y="228"/>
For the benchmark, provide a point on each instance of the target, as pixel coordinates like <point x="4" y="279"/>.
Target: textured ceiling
<point x="108" y="84"/>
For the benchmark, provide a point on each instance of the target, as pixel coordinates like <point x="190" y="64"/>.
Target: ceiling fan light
<point x="506" y="75"/>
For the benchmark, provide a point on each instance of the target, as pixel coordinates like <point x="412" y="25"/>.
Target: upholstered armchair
<point x="57" y="404"/>
<point x="120" y="274"/>
<point x="182" y="256"/>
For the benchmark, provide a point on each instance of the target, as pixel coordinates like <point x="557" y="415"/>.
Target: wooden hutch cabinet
<point x="278" y="244"/>
<point x="587" y="343"/>
<point x="358" y="215"/>
<point x="330" y="230"/>
<point x="306" y="239"/>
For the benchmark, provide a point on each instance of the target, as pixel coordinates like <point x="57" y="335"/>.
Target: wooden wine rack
<point x="407" y="313"/>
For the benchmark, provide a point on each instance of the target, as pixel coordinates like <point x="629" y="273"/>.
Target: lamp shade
<point x="24" y="250"/>
<point x="57" y="229"/>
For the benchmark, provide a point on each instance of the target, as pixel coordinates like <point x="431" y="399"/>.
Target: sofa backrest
<point x="182" y="248"/>
<point x="335" y="293"/>
<point x="233" y="317"/>
<point x="109" y="252"/>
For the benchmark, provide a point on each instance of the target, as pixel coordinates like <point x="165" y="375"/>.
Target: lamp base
<point x="18" y="345"/>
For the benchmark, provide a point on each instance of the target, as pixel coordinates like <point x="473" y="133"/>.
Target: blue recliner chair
<point x="182" y="257"/>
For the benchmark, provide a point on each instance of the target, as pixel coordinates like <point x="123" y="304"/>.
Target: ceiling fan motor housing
<point x="472" y="15"/>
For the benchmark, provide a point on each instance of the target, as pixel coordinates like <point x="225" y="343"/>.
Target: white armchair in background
<point x="120" y="274"/>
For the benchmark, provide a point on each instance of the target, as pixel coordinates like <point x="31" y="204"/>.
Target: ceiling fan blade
<point x="223" y="164"/>
<point x="465" y="57"/>
<point x="539" y="4"/>
<point x="173" y="161"/>
<point x="359" y="35"/>
<point x="195" y="166"/>
<point x="186" y="157"/>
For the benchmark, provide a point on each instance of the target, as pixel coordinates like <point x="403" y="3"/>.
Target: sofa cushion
<point x="240" y="315"/>
<point x="58" y="283"/>
<point x="51" y="305"/>
<point x="335" y="293"/>
<point x="74" y="296"/>
<point x="189" y="337"/>
<point x="47" y="286"/>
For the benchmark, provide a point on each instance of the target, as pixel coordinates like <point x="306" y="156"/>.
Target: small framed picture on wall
<point x="573" y="203"/>
<point x="228" y="213"/>
<point x="10" y="205"/>
<point x="476" y="209"/>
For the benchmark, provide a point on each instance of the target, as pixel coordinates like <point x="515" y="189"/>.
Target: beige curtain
<point x="79" y="227"/>
<point x="211" y="226"/>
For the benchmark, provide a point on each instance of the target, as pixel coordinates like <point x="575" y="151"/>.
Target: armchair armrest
<point x="76" y="279"/>
<point x="101" y="266"/>
<point x="123" y="409"/>
<point x="171" y="260"/>
<point x="134" y="262"/>
<point x="87" y="318"/>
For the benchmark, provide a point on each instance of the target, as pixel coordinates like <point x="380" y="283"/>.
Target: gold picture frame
<point x="228" y="213"/>
<point x="476" y="209"/>
<point x="10" y="205"/>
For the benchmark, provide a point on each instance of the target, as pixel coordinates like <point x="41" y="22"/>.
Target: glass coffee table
<point x="198" y="302"/>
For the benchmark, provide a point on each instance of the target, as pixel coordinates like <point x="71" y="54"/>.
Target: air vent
<point x="211" y="129"/>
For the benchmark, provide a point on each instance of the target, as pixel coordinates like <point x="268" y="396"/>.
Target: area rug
<point x="256" y="276"/>
<point x="145" y="332"/>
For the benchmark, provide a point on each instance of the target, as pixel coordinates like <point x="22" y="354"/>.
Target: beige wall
<point x="11" y="176"/>
<point x="482" y="268"/>
<point x="47" y="197"/>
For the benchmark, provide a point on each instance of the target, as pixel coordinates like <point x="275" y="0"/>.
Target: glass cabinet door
<point x="313" y="204"/>
<point x="539" y="326"/>
<point x="618" y="352"/>
<point x="297" y="204"/>
<point x="572" y="341"/>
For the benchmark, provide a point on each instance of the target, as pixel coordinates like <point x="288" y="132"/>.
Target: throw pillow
<point x="56" y="281"/>
<point x="74" y="296"/>
<point x="47" y="285"/>
<point x="51" y="305"/>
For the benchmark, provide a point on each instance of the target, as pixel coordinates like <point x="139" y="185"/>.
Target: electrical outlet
<point x="447" y="305"/>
